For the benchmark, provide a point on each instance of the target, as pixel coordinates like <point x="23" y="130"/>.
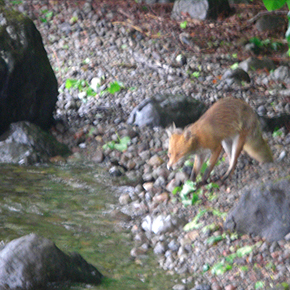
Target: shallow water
<point x="70" y="206"/>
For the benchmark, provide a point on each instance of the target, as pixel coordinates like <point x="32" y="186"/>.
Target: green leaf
<point x="70" y="83"/>
<point x="211" y="186"/>
<point x="287" y="34"/>
<point x="259" y="285"/>
<point x="189" y="186"/>
<point x="194" y="198"/>
<point x="220" y="268"/>
<point x="91" y="92"/>
<point x="121" y="147"/>
<point x="125" y="140"/>
<point x="234" y="66"/>
<point x="109" y="145"/>
<point x="214" y="239"/>
<point x="196" y="74"/>
<point x="176" y="189"/>
<point x="194" y="223"/>
<point x="230" y="258"/>
<point x="256" y="41"/>
<point x="241" y="252"/>
<point x="277" y="132"/>
<point x="114" y="87"/>
<point x="183" y="24"/>
<point x="244" y="268"/>
<point x="274" y="4"/>
<point x="219" y="213"/>
<point x="204" y="166"/>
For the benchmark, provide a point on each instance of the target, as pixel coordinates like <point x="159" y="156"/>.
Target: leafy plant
<point x="277" y="132"/>
<point x="259" y="285"/>
<point x="196" y="74"/>
<point x="46" y="15"/>
<point x="188" y="192"/>
<point x="225" y="265"/>
<point x="80" y="85"/>
<point x="194" y="224"/>
<point x="121" y="145"/>
<point x="183" y="24"/>
<point x="234" y="66"/>
<point x="220" y="268"/>
<point x="265" y="43"/>
<point x="277" y="4"/>
<point x="114" y="87"/>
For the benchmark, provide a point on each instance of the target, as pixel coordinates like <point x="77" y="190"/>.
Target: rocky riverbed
<point x="116" y="46"/>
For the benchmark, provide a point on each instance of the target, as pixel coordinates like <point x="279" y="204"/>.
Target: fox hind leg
<point x="238" y="142"/>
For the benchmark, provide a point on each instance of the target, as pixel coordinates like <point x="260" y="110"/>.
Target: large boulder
<point x="28" y="86"/>
<point x="163" y="110"/>
<point x="263" y="211"/>
<point x="200" y="9"/>
<point x="31" y="262"/>
<point x="26" y="143"/>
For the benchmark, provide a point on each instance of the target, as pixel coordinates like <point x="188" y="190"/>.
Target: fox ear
<point x="171" y="130"/>
<point x="188" y="135"/>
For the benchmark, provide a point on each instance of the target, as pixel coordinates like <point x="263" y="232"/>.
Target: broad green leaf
<point x="121" y="147"/>
<point x="274" y="4"/>
<point x="125" y="140"/>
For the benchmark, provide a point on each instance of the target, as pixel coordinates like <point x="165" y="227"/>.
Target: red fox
<point x="230" y="124"/>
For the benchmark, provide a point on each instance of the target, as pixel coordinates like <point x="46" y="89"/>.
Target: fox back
<point x="230" y="124"/>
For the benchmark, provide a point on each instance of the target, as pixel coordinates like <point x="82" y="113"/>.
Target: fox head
<point x="181" y="144"/>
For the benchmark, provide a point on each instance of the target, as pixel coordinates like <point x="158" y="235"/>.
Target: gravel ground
<point x="97" y="46"/>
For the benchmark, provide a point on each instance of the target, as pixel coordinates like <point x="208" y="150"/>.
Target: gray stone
<point x="238" y="76"/>
<point x="166" y="109"/>
<point x="263" y="211"/>
<point x="31" y="262"/>
<point x="253" y="63"/>
<point x="269" y="22"/>
<point x="200" y="9"/>
<point x="28" y="86"/>
<point x="282" y="73"/>
<point x="26" y="143"/>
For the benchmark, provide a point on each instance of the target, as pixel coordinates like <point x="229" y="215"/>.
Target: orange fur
<point x="230" y="124"/>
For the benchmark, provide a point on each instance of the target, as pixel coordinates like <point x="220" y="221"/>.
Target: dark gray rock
<point x="263" y="211"/>
<point x="200" y="9"/>
<point x="164" y="110"/>
<point x="26" y="143"/>
<point x="269" y="22"/>
<point x="253" y="63"/>
<point x="28" y="86"/>
<point x="31" y="262"/>
<point x="272" y="123"/>
<point x="238" y="76"/>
